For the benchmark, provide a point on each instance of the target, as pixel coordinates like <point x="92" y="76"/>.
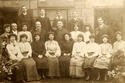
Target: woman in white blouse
<point x="75" y="33"/>
<point x="53" y="52"/>
<point x="78" y="53"/>
<point x="31" y="73"/>
<point x="103" y="61"/>
<point x="24" y="31"/>
<point x="15" y="56"/>
<point x="93" y="51"/>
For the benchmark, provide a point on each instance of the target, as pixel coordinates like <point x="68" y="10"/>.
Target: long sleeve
<point x="58" y="51"/>
<point x="74" y="49"/>
<point x="11" y="54"/>
<point x="29" y="49"/>
<point x="30" y="35"/>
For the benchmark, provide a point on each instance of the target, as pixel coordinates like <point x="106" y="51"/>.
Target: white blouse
<point x="93" y="47"/>
<point x="29" y="35"/>
<point x="52" y="46"/>
<point x="74" y="34"/>
<point x="14" y="51"/>
<point x="86" y="36"/>
<point x="79" y="49"/>
<point x="25" y="47"/>
<point x="106" y="48"/>
<point x="119" y="45"/>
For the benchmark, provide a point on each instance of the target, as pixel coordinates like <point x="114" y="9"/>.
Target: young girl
<point x="53" y="52"/>
<point x="31" y="73"/>
<point x="103" y="61"/>
<point x="39" y="50"/>
<point x="93" y="51"/>
<point x="78" y="53"/>
<point x="64" y="59"/>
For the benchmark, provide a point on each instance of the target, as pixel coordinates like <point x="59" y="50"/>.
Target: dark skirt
<point x="53" y="67"/>
<point x="64" y="62"/>
<point x="41" y="63"/>
<point x="31" y="73"/>
<point x="89" y="62"/>
<point x="18" y="72"/>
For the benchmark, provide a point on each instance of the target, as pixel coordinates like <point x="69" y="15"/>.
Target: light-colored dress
<point x="29" y="35"/>
<point x="78" y="53"/>
<point x="86" y="36"/>
<point x="31" y="73"/>
<point x="102" y="62"/>
<point x="93" y="51"/>
<point x="14" y="51"/>
<point x="53" y="52"/>
<point x="74" y="34"/>
<point x="119" y="45"/>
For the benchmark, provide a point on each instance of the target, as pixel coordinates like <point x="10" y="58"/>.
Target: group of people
<point x="56" y="51"/>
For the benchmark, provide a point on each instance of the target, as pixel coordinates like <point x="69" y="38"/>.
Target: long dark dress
<point x="64" y="60"/>
<point x="38" y="48"/>
<point x="72" y="23"/>
<point x="45" y="22"/>
<point x="25" y="19"/>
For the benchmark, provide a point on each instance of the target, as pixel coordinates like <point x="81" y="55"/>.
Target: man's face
<point x="38" y="25"/>
<point x="60" y="24"/>
<point x="24" y="9"/>
<point x="14" y="26"/>
<point x="75" y="14"/>
<point x="42" y="12"/>
<point x="100" y="21"/>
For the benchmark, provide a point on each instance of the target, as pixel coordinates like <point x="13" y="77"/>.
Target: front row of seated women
<point x="66" y="59"/>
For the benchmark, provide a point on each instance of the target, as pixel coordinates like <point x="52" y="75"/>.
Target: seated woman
<point x="78" y="53"/>
<point x="119" y="44"/>
<point x="24" y="31"/>
<point x="64" y="59"/>
<point x="31" y="73"/>
<point x="103" y="61"/>
<point x="15" y="56"/>
<point x="38" y="49"/>
<point x="52" y="52"/>
<point x="93" y="51"/>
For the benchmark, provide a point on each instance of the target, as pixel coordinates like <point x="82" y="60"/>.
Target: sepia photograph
<point x="62" y="41"/>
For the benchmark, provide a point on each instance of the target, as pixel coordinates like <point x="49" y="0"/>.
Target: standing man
<point x="24" y="18"/>
<point x="14" y="28"/>
<point x="39" y="30"/>
<point x="45" y="22"/>
<point x="75" y="21"/>
<point x="101" y="30"/>
<point x="58" y="17"/>
<point x="59" y="35"/>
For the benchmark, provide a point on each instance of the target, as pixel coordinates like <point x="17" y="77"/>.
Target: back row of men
<point x="75" y="25"/>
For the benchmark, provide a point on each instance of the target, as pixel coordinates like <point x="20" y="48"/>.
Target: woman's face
<point x="23" y="39"/>
<point x="105" y="40"/>
<point x="67" y="37"/>
<point x="7" y="29"/>
<point x="87" y="28"/>
<point x="76" y="28"/>
<point x="51" y="36"/>
<point x="80" y="38"/>
<point x="118" y="37"/>
<point x="24" y="28"/>
<point x="12" y="39"/>
<point x="37" y="37"/>
<point x="92" y="39"/>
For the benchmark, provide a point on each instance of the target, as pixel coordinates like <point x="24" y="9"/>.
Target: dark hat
<point x="118" y="32"/>
<point x="105" y="35"/>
